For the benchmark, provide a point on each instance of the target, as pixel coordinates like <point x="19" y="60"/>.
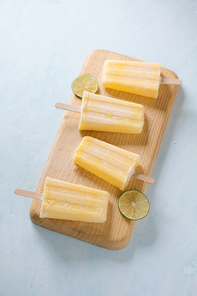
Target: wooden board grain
<point x="116" y="232"/>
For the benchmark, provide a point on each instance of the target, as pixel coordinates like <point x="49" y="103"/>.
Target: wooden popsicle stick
<point x="170" y="81"/>
<point x="144" y="178"/>
<point x="68" y="107"/>
<point x="28" y="193"/>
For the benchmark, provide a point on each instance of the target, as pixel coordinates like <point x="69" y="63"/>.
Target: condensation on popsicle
<point x="110" y="163"/>
<point x="102" y="113"/>
<point x="139" y="78"/>
<point x="62" y="200"/>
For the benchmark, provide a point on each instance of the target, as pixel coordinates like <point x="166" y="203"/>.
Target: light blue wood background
<point x="43" y="45"/>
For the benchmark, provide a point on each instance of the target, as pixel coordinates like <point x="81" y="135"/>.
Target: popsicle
<point x="108" y="162"/>
<point x="100" y="113"/>
<point x="62" y="200"/>
<point x="135" y="77"/>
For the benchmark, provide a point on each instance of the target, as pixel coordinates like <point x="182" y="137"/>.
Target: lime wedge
<point x="133" y="204"/>
<point x="84" y="82"/>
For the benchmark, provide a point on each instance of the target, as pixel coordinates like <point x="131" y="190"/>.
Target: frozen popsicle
<point x="100" y="113"/>
<point x="135" y="77"/>
<point x="110" y="163"/>
<point x="61" y="200"/>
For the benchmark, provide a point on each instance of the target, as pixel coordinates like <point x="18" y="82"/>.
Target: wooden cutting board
<point x="116" y="232"/>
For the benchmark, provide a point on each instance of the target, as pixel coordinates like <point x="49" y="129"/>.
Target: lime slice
<point x="133" y="204"/>
<point x="84" y="82"/>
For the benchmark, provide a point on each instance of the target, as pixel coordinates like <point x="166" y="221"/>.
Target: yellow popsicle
<point x="102" y="113"/>
<point x="139" y="78"/>
<point x="68" y="201"/>
<point x="110" y="163"/>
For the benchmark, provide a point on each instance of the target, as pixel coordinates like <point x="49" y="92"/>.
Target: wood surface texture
<point x="116" y="232"/>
